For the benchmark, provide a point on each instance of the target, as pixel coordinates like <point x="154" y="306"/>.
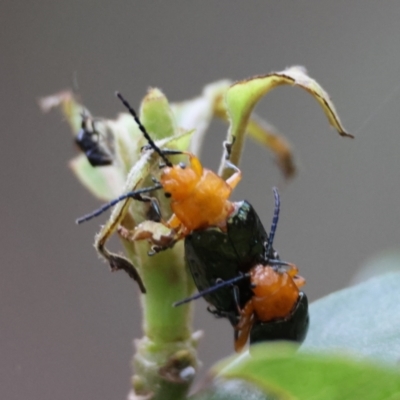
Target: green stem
<point x="165" y="361"/>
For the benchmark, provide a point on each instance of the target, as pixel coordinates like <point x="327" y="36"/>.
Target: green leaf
<point x="196" y="114"/>
<point x="278" y="369"/>
<point x="156" y="115"/>
<point x="359" y="325"/>
<point x="242" y="97"/>
<point x="103" y="182"/>
<point x="232" y="389"/>
<point x="128" y="141"/>
<point x="363" y="319"/>
<point x="264" y="134"/>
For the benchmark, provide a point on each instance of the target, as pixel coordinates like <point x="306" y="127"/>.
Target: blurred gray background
<point x="67" y="324"/>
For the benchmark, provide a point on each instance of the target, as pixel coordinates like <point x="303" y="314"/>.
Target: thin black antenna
<point x="211" y="289"/>
<point x="134" y="195"/>
<point x="143" y="129"/>
<point x="275" y="220"/>
<point x="222" y="284"/>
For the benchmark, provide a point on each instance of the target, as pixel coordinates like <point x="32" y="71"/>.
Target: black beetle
<point x="88" y="141"/>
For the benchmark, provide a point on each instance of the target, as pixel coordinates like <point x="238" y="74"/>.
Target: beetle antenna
<point x="134" y="195"/>
<point x="143" y="129"/>
<point x="275" y="219"/>
<point x="211" y="289"/>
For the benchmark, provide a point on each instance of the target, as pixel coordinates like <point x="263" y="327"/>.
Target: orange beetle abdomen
<point x="275" y="293"/>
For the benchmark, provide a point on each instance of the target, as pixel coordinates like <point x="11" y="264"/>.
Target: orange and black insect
<point x="199" y="197"/>
<point x="240" y="274"/>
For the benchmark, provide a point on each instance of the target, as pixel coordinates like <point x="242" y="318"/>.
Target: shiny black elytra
<point x="292" y="328"/>
<point x="213" y="256"/>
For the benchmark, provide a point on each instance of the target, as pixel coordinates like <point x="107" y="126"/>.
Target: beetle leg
<point x="236" y="297"/>
<point x="244" y="326"/>
<point x="155" y="207"/>
<point x="292" y="271"/>
<point x="234" y="179"/>
<point x="217" y="313"/>
<point x="228" y="147"/>
<point x="175" y="224"/>
<point x="299" y="281"/>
